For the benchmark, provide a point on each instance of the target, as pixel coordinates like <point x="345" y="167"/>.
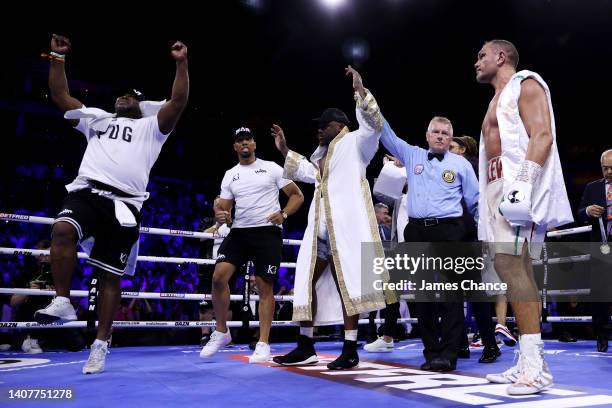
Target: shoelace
<point x="517" y="356"/>
<point x="260" y="350"/>
<point x="216" y="336"/>
<point x="56" y="304"/>
<point x="97" y="355"/>
<point x="531" y="370"/>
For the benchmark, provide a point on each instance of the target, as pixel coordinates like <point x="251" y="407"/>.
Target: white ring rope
<point x="81" y="324"/>
<point x="554" y="319"/>
<point x="198" y="261"/>
<point x="195" y="234"/>
<point x="138" y="295"/>
<point x="144" y="230"/>
<point x="563" y="259"/>
<point x="141" y="258"/>
<point x="569" y="231"/>
<point x="200" y="297"/>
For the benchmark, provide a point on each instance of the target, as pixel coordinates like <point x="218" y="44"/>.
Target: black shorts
<point x="93" y="216"/>
<point x="262" y="245"/>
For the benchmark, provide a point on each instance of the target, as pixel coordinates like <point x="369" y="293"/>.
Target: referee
<point x="438" y="181"/>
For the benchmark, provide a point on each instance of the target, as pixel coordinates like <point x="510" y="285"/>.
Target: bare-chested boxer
<point x="522" y="195"/>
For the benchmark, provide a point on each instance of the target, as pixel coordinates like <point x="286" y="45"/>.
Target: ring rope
<point x="198" y="261"/>
<point x="200" y="297"/>
<point x="81" y="324"/>
<point x="196" y="234"/>
<point x="144" y="230"/>
<point x="141" y="258"/>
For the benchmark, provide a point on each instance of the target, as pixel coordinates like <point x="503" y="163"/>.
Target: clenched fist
<point x="60" y="44"/>
<point x="179" y="51"/>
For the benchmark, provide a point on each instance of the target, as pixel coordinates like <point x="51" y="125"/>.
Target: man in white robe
<point x="340" y="219"/>
<point x="522" y="195"/>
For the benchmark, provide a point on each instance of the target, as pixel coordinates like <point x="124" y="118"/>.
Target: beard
<point x="128" y="111"/>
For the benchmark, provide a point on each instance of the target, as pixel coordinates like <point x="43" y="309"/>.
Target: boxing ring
<point x="175" y="376"/>
<point x="245" y="297"/>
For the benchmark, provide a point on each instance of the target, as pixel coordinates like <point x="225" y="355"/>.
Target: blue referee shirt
<point x="435" y="188"/>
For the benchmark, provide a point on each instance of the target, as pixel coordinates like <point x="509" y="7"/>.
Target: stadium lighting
<point x="332" y="4"/>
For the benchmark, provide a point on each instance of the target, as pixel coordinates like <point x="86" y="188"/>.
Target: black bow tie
<point x="439" y="156"/>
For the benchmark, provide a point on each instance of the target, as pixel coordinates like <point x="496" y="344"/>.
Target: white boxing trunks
<point x="506" y="238"/>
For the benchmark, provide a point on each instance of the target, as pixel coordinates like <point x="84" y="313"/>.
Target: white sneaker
<point x="5" y="347"/>
<point x="217" y="341"/>
<point x="535" y="375"/>
<point x="60" y="309"/>
<point x="379" y="346"/>
<point x="31" y="346"/>
<point x="509" y="376"/>
<point x="261" y="353"/>
<point x="97" y="359"/>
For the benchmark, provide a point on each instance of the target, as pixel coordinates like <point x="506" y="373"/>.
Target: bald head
<point x="509" y="50"/>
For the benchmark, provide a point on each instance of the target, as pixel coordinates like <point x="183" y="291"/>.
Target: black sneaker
<point x="464" y="352"/>
<point x="304" y="353"/>
<point x="489" y="354"/>
<point x="426" y="366"/>
<point x="348" y="359"/>
<point x="442" y="365"/>
<point x="567" y="337"/>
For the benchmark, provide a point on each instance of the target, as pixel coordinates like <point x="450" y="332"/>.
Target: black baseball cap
<point x="244" y="132"/>
<point x="136" y="94"/>
<point x="332" y="114"/>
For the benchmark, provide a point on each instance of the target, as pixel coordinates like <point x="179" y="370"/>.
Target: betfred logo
<point x="180" y="232"/>
<point x="14" y="217"/>
<point x="181" y="323"/>
<point x="172" y="295"/>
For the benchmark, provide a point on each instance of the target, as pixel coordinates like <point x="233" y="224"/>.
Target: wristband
<point x="529" y="172"/>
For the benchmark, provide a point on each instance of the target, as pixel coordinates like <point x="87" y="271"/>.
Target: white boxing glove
<point x="516" y="205"/>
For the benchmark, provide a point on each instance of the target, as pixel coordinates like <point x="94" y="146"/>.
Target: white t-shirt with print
<point x="121" y="156"/>
<point x="254" y="189"/>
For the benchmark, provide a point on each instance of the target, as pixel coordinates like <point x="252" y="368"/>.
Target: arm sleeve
<point x="298" y="168"/>
<point x="281" y="182"/>
<point x="582" y="215"/>
<point x="84" y="126"/>
<point x="226" y="192"/>
<point x="370" y="125"/>
<point x="153" y="126"/>
<point x="397" y="147"/>
<point x="470" y="188"/>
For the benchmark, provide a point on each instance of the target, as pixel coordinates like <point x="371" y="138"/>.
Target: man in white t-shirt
<point x="105" y="199"/>
<point x="252" y="187"/>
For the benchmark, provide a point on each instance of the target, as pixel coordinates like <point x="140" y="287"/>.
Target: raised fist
<point x="60" y="44"/>
<point x="179" y="51"/>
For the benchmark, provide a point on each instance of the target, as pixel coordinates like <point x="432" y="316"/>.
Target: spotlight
<point x="332" y="4"/>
